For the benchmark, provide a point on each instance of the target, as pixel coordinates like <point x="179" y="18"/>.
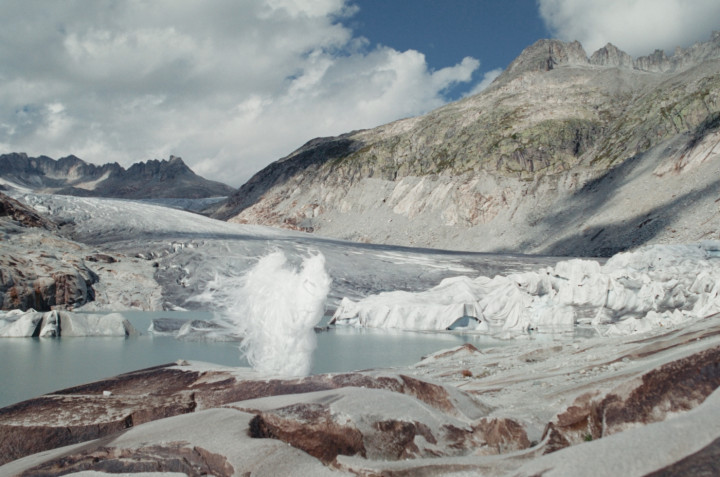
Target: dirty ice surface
<point x="189" y="250"/>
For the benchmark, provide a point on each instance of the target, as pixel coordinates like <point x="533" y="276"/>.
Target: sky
<point x="233" y="85"/>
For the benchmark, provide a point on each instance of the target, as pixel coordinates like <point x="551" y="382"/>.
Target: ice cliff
<point x="657" y="286"/>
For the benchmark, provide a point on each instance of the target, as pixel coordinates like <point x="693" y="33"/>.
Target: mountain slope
<point x="563" y="154"/>
<point x="72" y="176"/>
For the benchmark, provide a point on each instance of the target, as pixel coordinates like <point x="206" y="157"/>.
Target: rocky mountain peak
<point x="545" y="55"/>
<point x="71" y="175"/>
<point x="161" y="169"/>
<point x="611" y="55"/>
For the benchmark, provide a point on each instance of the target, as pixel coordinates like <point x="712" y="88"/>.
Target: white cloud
<point x="635" y="26"/>
<point x="229" y="86"/>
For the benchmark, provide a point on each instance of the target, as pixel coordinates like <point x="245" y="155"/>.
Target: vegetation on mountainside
<point x="676" y="107"/>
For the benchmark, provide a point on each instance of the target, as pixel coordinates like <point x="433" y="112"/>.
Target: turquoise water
<point x="35" y="366"/>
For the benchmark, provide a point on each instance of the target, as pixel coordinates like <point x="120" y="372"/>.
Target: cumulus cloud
<point x="229" y="86"/>
<point x="635" y="26"/>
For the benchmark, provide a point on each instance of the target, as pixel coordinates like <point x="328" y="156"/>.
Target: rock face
<point x="25" y="216"/>
<point x="610" y="55"/>
<point x="41" y="269"/>
<point x="31" y="277"/>
<point x="73" y="176"/>
<point x="561" y="155"/>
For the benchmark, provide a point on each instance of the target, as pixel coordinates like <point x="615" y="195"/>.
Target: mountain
<point x="144" y="180"/>
<point x="563" y="154"/>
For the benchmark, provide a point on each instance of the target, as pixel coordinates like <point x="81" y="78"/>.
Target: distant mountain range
<point x="563" y="154"/>
<point x="144" y="180"/>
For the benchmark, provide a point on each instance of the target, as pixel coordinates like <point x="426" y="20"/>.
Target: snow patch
<point x="92" y="185"/>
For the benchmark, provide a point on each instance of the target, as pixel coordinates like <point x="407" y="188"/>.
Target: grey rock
<point x="545" y="55"/>
<point x="610" y="55"/>
<point x="40" y="281"/>
<point x="24" y="216"/>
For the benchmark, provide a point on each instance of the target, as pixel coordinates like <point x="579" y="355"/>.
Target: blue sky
<point x="493" y="31"/>
<point x="231" y="86"/>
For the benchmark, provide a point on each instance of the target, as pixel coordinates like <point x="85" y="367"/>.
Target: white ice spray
<point x="275" y="308"/>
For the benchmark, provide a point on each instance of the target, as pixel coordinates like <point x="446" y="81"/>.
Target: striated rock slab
<point x="99" y="409"/>
<point x="673" y="388"/>
<point x="349" y="421"/>
<point x="211" y="442"/>
<point x="682" y="445"/>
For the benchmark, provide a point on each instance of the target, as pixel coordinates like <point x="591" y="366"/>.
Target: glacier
<point x="55" y="324"/>
<point x="654" y="287"/>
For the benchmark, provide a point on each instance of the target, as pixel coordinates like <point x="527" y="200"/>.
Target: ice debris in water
<point x="658" y="285"/>
<point x="274" y="308"/>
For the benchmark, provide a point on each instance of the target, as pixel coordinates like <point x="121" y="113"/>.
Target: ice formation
<point x="659" y="285"/>
<point x="275" y="309"/>
<point x="53" y="324"/>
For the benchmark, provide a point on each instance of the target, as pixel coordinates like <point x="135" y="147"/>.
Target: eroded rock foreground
<point x="628" y="406"/>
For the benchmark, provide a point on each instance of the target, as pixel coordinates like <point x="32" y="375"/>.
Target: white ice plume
<point x="633" y="292"/>
<point x="275" y="308"/>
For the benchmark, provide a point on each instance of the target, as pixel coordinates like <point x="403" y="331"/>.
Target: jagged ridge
<point x="144" y="180"/>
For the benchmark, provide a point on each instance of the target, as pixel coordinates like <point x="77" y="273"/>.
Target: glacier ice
<point x="53" y="324"/>
<point x="275" y="308"/>
<point x="656" y="286"/>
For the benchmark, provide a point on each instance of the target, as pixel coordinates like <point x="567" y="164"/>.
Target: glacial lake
<point x="35" y="366"/>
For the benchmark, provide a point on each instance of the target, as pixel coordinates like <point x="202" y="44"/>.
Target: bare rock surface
<point x="43" y="271"/>
<point x="99" y="409"/>
<point x="630" y="406"/>
<point x="26" y="216"/>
